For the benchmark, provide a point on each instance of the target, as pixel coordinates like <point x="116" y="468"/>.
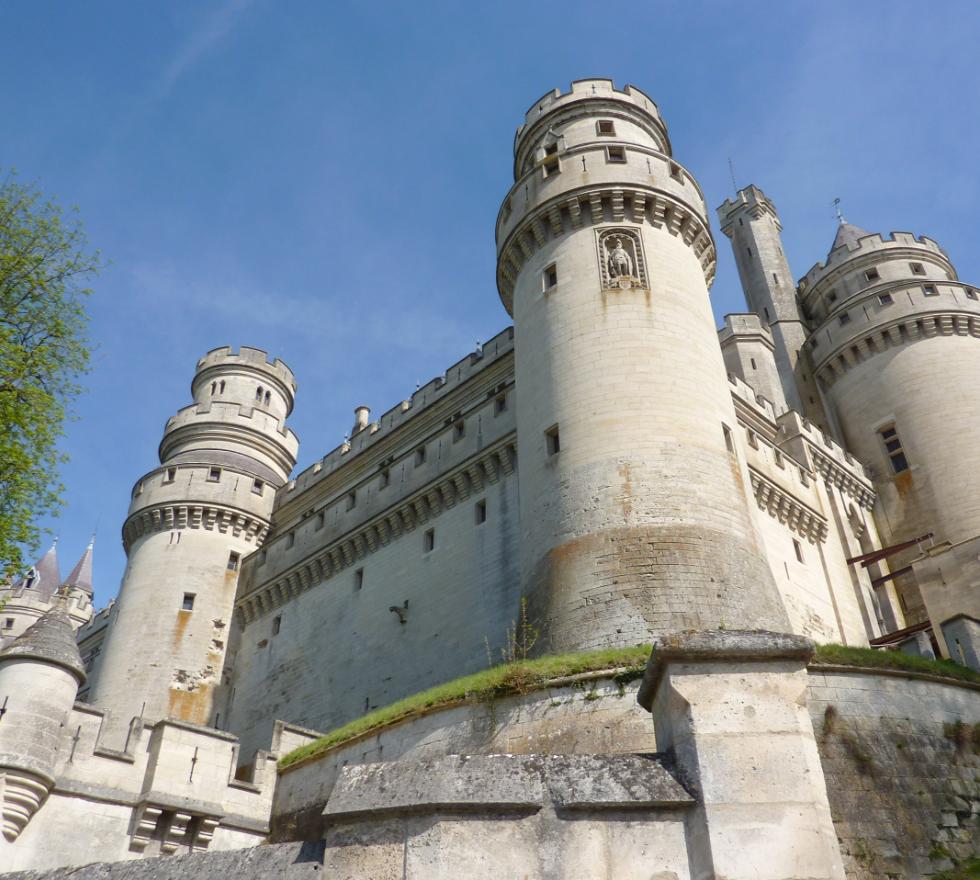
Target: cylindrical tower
<point x="190" y="523"/>
<point x="40" y="673"/>
<point x="895" y="350"/>
<point x="634" y="516"/>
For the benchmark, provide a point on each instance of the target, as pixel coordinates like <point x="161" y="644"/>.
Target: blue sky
<point x="321" y="179"/>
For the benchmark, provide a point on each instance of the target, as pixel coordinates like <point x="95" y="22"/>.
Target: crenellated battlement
<point x="399" y="415"/>
<point x="869" y="246"/>
<point x="751" y="201"/>
<point x="251" y="358"/>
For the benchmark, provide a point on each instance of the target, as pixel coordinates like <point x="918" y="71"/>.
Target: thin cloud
<point x="205" y="37"/>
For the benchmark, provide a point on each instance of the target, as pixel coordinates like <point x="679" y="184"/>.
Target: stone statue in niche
<point x="620" y="263"/>
<point x="621" y="259"/>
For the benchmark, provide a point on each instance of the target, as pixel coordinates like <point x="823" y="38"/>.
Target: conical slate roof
<point x="849" y="234"/>
<point x="81" y="574"/>
<point x="46" y="575"/>
<point x="50" y="640"/>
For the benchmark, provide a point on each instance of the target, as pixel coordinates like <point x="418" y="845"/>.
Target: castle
<point x="615" y="470"/>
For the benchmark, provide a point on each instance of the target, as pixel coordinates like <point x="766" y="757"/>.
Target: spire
<point x="81" y="574"/>
<point x="847" y="233"/>
<point x="44" y="577"/>
<point x="50" y="640"/>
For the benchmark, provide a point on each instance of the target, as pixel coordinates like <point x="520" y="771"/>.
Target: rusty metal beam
<point x="871" y="558"/>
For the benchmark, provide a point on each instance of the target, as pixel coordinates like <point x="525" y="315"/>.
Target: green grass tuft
<point x="524" y="676"/>
<point x="520" y="677"/>
<point x="876" y="658"/>
<point x="968" y="870"/>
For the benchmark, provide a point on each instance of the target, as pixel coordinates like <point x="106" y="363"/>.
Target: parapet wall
<point x="171" y="789"/>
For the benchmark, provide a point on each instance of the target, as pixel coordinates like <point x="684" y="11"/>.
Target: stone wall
<point x="902" y="772"/>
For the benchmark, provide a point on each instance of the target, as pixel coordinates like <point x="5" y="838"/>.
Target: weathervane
<point x="840" y="216"/>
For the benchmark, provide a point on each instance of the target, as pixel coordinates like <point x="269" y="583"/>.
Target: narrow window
<point x="615" y="154"/>
<point x="798" y="549"/>
<point x="384" y="478"/>
<point x="551" y="164"/>
<point x="8" y="623"/>
<point x="765" y="311"/>
<point x="729" y="440"/>
<point x="930" y="290"/>
<point x="845" y="319"/>
<point x="214" y="385"/>
<point x="605" y="127"/>
<point x="775" y="279"/>
<point x="893" y="449"/>
<point x="276" y="624"/>
<point x="171" y="475"/>
<point x="419" y="456"/>
<point x="351" y="500"/>
<point x="258" y="486"/>
<point x="917" y="268"/>
<point x="429" y="540"/>
<point x="221" y="387"/>
<point x="268" y="398"/>
<point x="290" y="539"/>
<point x="214" y="474"/>
<point x="832" y="297"/>
<point x="459" y="430"/>
<point x="258" y="394"/>
<point x="262" y="557"/>
<point x="552" y="440"/>
<point x="139" y="489"/>
<point x="500" y="402"/>
<point x="748" y="250"/>
<point x="319" y="520"/>
<point x="358" y="578"/>
<point x="550" y="277"/>
<point x="188" y="603"/>
<point x="675" y="172"/>
<point x="872" y="275"/>
<point x="885" y="299"/>
<point x="778" y="458"/>
<point x="752" y="361"/>
<point x="971" y="293"/>
<point x="233" y="559"/>
<point x="481" y="512"/>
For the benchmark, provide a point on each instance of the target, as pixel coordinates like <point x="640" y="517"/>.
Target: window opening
<point x="930" y="290"/>
<point x="351" y="500"/>
<point x="550" y="278"/>
<point x="917" y="268"/>
<point x="233" y="559"/>
<point x="258" y="486"/>
<point x="872" y="275"/>
<point x="500" y="403"/>
<point x="893" y="449"/>
<point x="552" y="440"/>
<point x="358" y="578"/>
<point x="605" y="127"/>
<point x="481" y="512"/>
<point x="188" y="603"/>
<point x="429" y="540"/>
<point x="419" y="456"/>
<point x="798" y="549"/>
<point x="616" y="154"/>
<point x="214" y="474"/>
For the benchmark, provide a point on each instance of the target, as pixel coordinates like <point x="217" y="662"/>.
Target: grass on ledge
<point x="876" y="658"/>
<point x="519" y="677"/>
<point x="524" y="676"/>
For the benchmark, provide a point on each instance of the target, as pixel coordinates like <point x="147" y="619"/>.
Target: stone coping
<point x="894" y="672"/>
<point x="719" y="646"/>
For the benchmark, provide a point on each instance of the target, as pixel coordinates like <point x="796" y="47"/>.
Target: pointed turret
<point x="81" y="575"/>
<point x="847" y="234"/>
<point x="50" y="640"/>
<point x="45" y="577"/>
<point x="40" y="673"/>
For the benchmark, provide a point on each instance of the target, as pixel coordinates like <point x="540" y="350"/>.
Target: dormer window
<point x="605" y="127"/>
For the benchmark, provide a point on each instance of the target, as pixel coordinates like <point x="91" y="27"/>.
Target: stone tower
<point x="752" y="224"/>
<point x="40" y="673"/>
<point x="190" y="523"/>
<point x="634" y="514"/>
<point x="895" y="349"/>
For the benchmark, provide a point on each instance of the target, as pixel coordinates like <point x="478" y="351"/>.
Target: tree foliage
<point x="44" y="351"/>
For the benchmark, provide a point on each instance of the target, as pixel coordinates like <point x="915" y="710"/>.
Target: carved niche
<point x="621" y="263"/>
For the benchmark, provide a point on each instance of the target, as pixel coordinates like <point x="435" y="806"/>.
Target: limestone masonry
<point x="610" y="471"/>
